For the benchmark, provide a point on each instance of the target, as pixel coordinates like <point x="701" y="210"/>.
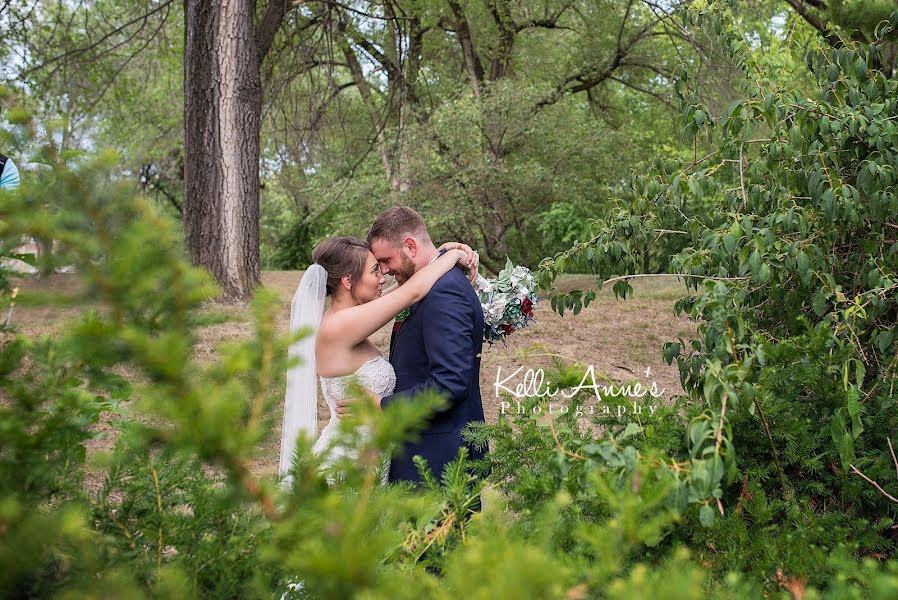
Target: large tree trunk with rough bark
<point x="222" y="114"/>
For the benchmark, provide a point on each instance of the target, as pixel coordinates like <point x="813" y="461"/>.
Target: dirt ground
<point x="621" y="339"/>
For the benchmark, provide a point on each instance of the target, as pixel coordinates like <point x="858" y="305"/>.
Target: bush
<point x="181" y="512"/>
<point x="791" y="271"/>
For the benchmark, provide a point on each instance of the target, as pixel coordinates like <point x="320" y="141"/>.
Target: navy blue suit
<point x="438" y="347"/>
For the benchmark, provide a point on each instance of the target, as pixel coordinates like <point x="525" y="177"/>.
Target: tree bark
<point x="222" y="116"/>
<point x="469" y="53"/>
<point x="507" y="29"/>
<point x="400" y="96"/>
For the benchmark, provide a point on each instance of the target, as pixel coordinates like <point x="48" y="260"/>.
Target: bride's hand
<point x="470" y="261"/>
<point x="344" y="406"/>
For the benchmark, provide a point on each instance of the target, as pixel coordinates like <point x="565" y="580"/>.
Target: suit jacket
<point x="438" y="347"/>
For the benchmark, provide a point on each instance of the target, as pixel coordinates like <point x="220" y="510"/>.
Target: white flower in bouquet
<point x="507" y="301"/>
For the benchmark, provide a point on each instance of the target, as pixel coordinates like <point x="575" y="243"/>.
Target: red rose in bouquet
<point x="527" y="308"/>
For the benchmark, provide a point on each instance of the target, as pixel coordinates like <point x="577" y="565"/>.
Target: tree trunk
<point x="468" y="51"/>
<point x="222" y="115"/>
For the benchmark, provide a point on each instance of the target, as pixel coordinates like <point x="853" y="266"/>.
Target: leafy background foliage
<point x="781" y="216"/>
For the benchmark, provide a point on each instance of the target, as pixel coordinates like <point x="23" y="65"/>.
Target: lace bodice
<point x="376" y="374"/>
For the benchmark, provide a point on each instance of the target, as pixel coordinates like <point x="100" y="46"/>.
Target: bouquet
<point x="507" y="301"/>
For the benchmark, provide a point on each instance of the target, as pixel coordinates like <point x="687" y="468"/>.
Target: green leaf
<point x="846" y="450"/>
<point x="842" y="439"/>
<point x="854" y="411"/>
<point x="754" y="261"/>
<point x="819" y="304"/>
<point x="697" y="430"/>
<point x="729" y="243"/>
<point x="883" y="340"/>
<point x="670" y="351"/>
<point x="631" y="430"/>
<point x="803" y="263"/>
<point x="706" y="515"/>
<point x="873" y="278"/>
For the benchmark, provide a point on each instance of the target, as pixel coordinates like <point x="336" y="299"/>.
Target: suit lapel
<point x="394" y="336"/>
<point x="393" y="341"/>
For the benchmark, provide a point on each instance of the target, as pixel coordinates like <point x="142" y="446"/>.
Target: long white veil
<point x="301" y="399"/>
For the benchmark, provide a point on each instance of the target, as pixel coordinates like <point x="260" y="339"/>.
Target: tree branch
<point x="469" y="53"/>
<point x="658" y="71"/>
<point x="269" y="25"/>
<point x="593" y="75"/>
<point x="122" y="66"/>
<point x="119" y="29"/>
<point x="623" y="24"/>
<point x="637" y="88"/>
<point x="546" y="22"/>
<point x="372" y="50"/>
<point x="814" y="21"/>
<point x="356" y="11"/>
<point x="874" y="484"/>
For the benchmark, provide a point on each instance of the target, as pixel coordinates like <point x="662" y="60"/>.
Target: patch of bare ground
<point x="620" y="338"/>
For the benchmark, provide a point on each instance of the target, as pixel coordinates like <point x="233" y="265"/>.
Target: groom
<point x="437" y="346"/>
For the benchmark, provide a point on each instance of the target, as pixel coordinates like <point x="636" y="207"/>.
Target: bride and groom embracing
<point x="436" y="347"/>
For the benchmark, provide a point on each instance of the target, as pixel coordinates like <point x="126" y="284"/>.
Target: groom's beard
<point x="405" y="271"/>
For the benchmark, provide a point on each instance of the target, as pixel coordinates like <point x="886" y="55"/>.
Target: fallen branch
<point x="674" y="275"/>
<point x="873" y="483"/>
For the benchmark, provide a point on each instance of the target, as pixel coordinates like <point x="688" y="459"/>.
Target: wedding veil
<point x="301" y="399"/>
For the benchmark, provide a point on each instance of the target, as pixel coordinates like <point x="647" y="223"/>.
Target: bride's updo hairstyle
<point x="341" y="257"/>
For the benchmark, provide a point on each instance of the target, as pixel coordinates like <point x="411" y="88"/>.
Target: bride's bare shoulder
<point x="326" y="328"/>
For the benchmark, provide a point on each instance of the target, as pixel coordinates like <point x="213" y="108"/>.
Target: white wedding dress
<point x="301" y="398"/>
<point x="377" y="375"/>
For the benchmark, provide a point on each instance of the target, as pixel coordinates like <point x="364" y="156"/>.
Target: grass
<point x="34" y="299"/>
<point x="620" y="338"/>
<point x="208" y="318"/>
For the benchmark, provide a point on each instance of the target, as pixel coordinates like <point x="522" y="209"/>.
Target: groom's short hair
<point x="395" y="224"/>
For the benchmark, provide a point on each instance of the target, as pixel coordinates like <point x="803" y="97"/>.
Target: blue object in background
<point x="9" y="175"/>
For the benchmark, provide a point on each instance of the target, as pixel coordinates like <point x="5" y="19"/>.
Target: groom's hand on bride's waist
<point x="346" y="405"/>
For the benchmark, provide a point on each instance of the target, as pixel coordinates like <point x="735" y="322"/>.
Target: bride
<point x="346" y="272"/>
